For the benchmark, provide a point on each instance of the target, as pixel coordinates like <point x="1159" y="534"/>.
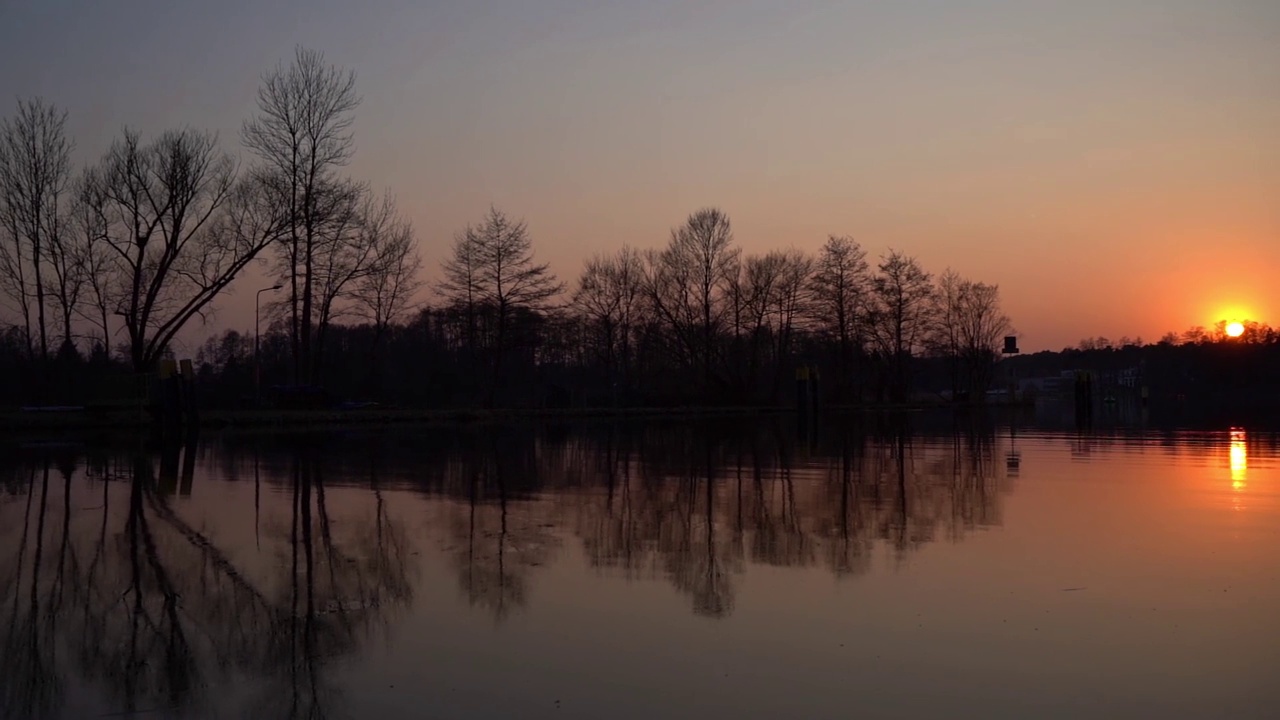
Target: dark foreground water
<point x="656" y="571"/>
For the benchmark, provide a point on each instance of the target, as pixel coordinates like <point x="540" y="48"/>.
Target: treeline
<point x="1251" y="332"/>
<point x="115" y="259"/>
<point x="1200" y="368"/>
<point x="694" y="322"/>
<point x="105" y="266"/>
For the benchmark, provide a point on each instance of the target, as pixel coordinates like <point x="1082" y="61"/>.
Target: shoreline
<point x="18" y="422"/>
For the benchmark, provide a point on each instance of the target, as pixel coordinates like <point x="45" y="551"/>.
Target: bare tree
<point x="179" y="229"/>
<point x="341" y="255"/>
<point x="460" y="286"/>
<point x="35" y="161"/>
<point x="967" y="331"/>
<point x="508" y="275"/>
<point x="493" y="267"/>
<point x="89" y="228"/>
<point x="789" y="303"/>
<point x="69" y="274"/>
<point x="15" y="271"/>
<point x="945" y="336"/>
<point x="840" y="289"/>
<point x="751" y="294"/>
<point x="302" y="134"/>
<point x="982" y="327"/>
<point x="385" y="292"/>
<point x="1194" y="335"/>
<point x="902" y="293"/>
<point x="609" y="298"/>
<point x="686" y="286"/>
<point x="767" y="298"/>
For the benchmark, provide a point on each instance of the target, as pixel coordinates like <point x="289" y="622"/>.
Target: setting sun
<point x="1235" y="329"/>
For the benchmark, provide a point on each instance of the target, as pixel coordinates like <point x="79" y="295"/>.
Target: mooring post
<point x="169" y="403"/>
<point x="168" y="464"/>
<point x="1084" y="397"/>
<point x="815" y="389"/>
<point x="188" y="460"/>
<point x="802" y="389"/>
<point x="189" y="405"/>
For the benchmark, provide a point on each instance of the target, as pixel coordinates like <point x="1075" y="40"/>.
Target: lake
<point x="679" y="569"/>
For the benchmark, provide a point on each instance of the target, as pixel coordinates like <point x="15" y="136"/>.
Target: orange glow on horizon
<point x="1235" y="313"/>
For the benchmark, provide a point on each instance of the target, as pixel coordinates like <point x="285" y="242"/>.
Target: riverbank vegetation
<point x="104" y="267"/>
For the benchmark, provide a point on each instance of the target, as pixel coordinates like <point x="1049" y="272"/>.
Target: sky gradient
<point x="1113" y="165"/>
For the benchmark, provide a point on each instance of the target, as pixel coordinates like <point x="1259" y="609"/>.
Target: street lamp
<point x="257" y="367"/>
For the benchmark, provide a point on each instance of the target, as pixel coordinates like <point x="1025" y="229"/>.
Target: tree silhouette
<point x="34" y="174"/>
<point x="685" y="287"/>
<point x="172" y="247"/>
<point x="902" y="294"/>
<point x="492" y="269"/>
<point x="302" y="135"/>
<point x="609" y="297"/>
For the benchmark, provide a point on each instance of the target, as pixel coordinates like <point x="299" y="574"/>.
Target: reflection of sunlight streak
<point x="1239" y="455"/>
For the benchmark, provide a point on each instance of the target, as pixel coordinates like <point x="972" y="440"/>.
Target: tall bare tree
<point x="89" y="228"/>
<point x="493" y="267"/>
<point x="180" y="229"/>
<point x="69" y="274"/>
<point x="967" y="331"/>
<point x="608" y="297"/>
<point x="460" y="286"/>
<point x="302" y="135"/>
<point x="341" y="256"/>
<point x="35" y="168"/>
<point x="16" y="271"/>
<point x="983" y="326"/>
<point x="768" y="297"/>
<point x="902" y="293"/>
<point x="385" y="292"/>
<point x="789" y="304"/>
<point x="686" y="285"/>
<point x="841" y="296"/>
<point x="751" y="294"/>
<point x="945" y="335"/>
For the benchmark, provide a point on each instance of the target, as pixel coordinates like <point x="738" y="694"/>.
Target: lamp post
<point x="257" y="367"/>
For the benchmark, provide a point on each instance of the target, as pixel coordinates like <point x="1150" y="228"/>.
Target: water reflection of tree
<point x="30" y="685"/>
<point x="691" y="507"/>
<point x="497" y="537"/>
<point x="686" y="504"/>
<point x="125" y="594"/>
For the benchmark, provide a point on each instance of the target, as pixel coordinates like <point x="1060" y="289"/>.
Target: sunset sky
<point x="1113" y="165"/>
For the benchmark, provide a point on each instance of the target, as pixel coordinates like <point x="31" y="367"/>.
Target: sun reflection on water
<point x="1239" y="456"/>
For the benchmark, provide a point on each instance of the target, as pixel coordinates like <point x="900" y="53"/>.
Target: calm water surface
<point x="652" y="571"/>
